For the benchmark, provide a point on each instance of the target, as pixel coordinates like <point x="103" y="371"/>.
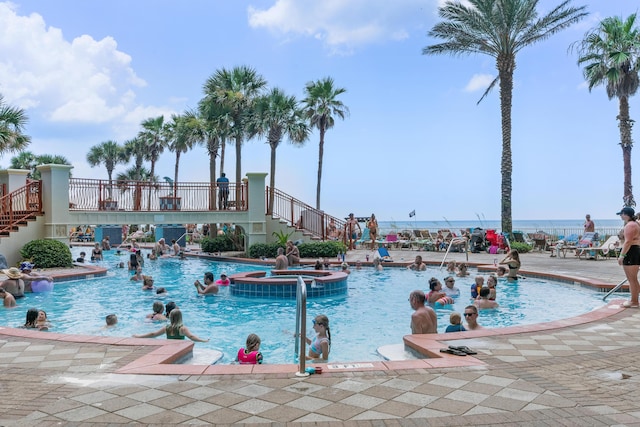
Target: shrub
<point x="47" y="253"/>
<point x="521" y="247"/>
<point x="307" y="250"/>
<point x="221" y="243"/>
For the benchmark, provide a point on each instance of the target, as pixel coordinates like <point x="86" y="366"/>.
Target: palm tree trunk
<point x="238" y="169"/>
<point x="110" y="173"/>
<point x="151" y="175"/>
<point x="320" y="154"/>
<point x="506" y="67"/>
<point x="213" y="151"/>
<point x="272" y="180"/>
<point x="175" y="176"/>
<point x="626" y="143"/>
<point x="223" y="143"/>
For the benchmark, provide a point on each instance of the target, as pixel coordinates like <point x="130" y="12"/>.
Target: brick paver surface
<point x="580" y="375"/>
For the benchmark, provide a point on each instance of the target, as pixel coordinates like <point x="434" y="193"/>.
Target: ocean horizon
<point x="552" y="226"/>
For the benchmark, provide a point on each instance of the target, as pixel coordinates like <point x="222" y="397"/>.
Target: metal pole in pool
<point x="618" y="286"/>
<point x="301" y="325"/>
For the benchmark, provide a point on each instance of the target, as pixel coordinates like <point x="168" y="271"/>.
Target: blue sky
<point x="88" y="72"/>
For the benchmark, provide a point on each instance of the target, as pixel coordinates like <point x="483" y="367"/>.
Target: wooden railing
<point x="98" y="195"/>
<point x="304" y="217"/>
<point x="20" y="205"/>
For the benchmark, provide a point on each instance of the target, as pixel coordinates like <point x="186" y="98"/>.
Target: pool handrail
<point x="301" y="326"/>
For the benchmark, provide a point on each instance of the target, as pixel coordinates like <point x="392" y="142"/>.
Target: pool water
<point x="375" y="312"/>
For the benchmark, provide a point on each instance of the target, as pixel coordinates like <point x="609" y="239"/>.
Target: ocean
<point x="554" y="226"/>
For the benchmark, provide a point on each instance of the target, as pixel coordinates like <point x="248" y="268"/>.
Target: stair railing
<point x="20" y="205"/>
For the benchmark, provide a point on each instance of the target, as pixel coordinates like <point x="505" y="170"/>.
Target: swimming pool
<point x="375" y="312"/>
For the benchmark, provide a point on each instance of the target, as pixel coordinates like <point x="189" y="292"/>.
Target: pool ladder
<point x="301" y="326"/>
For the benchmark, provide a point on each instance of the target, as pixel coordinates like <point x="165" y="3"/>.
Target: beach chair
<point x="384" y="254"/>
<point x="390" y="239"/>
<point x="365" y="238"/>
<point x="540" y="240"/>
<point x="563" y="245"/>
<point x="611" y="244"/>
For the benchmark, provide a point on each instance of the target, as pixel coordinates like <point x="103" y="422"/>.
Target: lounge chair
<point x="391" y="239"/>
<point x="611" y="244"/>
<point x="384" y="254"/>
<point x="365" y="239"/>
<point x="564" y="245"/>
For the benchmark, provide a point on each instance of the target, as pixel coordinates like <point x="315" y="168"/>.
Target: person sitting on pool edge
<point x="282" y="263"/>
<point x="209" y="286"/>
<point x="423" y="319"/>
<point x="512" y="260"/>
<point x="175" y="330"/>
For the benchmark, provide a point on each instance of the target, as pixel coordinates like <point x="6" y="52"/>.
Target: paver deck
<point x="582" y="374"/>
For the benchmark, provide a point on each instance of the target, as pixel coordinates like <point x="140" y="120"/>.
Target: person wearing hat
<point x="28" y="276"/>
<point x="629" y="257"/>
<point x="350" y="231"/>
<point x="223" y="280"/>
<point x="14" y="283"/>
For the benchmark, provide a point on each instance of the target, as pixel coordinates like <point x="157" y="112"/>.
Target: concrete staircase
<point x="279" y="225"/>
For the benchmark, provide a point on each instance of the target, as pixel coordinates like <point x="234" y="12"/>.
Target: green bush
<point x="307" y="250"/>
<point x="47" y="253"/>
<point x="222" y="243"/>
<point x="521" y="247"/>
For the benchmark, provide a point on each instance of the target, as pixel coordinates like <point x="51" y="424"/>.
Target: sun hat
<point x="26" y="265"/>
<point x="13" y="273"/>
<point x="628" y="211"/>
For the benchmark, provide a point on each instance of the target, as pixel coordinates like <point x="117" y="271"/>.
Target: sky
<point x="86" y="72"/>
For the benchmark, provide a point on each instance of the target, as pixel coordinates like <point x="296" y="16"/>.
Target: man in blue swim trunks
<point x="350" y="231"/>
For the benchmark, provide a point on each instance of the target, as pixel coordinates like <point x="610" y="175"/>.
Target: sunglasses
<point x="318" y="323"/>
<point x="468" y="314"/>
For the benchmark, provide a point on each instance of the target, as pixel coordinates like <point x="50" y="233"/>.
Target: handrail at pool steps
<point x="301" y="326"/>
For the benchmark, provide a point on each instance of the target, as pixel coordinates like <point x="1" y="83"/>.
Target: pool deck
<point x="579" y="371"/>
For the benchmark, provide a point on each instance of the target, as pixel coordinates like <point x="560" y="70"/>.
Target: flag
<point x="412" y="213"/>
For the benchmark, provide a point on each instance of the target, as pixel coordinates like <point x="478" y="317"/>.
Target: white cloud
<point x="479" y="82"/>
<point x="83" y="80"/>
<point x="343" y="25"/>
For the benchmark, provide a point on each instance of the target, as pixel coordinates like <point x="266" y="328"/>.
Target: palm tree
<point x="110" y="153"/>
<point x="235" y="91"/>
<point x="184" y="132"/>
<point x="321" y="107"/>
<point x="500" y="29"/>
<point x="24" y="160"/>
<point x="153" y="134"/>
<point x="275" y="116"/>
<point x="12" y="123"/>
<point x="47" y="159"/>
<point x="610" y="54"/>
<point x="136" y="148"/>
<point x="29" y="161"/>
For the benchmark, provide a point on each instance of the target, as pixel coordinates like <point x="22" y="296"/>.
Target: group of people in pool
<point x="20" y="281"/>
<point x="424" y="319"/>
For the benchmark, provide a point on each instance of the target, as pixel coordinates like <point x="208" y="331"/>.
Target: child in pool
<point x="320" y="346"/>
<point x="250" y="353"/>
<point x="456" y="323"/>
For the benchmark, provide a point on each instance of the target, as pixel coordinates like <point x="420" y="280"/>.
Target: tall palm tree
<point x="235" y="91"/>
<point x="184" y="131"/>
<point x="276" y="116"/>
<point x="500" y="29"/>
<point x="153" y="134"/>
<point x="12" y="123"/>
<point x="321" y="107"/>
<point x="136" y="148"/>
<point x="109" y="153"/>
<point x="610" y="54"/>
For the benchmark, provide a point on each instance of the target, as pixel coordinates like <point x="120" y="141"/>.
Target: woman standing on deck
<point x="630" y="254"/>
<point x="372" y="225"/>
